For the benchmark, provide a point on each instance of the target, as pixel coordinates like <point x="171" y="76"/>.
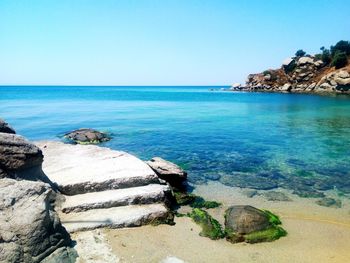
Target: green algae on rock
<point x="252" y="225"/>
<point x="210" y="227"/>
<point x="194" y="200"/>
<point x="268" y="235"/>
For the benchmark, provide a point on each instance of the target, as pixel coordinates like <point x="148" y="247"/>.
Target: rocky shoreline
<point x="305" y="74"/>
<point x="52" y="189"/>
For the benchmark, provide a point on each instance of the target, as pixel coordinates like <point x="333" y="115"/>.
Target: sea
<point x="261" y="141"/>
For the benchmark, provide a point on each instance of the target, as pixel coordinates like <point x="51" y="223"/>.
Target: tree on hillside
<point x="326" y="55"/>
<point x="339" y="59"/>
<point x="342" y="46"/>
<point x="300" y="53"/>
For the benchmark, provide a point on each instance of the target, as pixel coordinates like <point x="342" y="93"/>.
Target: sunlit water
<point x="257" y="140"/>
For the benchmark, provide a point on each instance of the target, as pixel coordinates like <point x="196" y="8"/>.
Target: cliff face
<point x="301" y="74"/>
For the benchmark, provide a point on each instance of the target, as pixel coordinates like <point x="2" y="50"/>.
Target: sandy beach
<point x="315" y="234"/>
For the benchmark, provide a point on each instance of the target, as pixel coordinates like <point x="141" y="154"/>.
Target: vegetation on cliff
<point x="327" y="71"/>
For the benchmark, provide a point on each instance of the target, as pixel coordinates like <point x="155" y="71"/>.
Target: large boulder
<point x="245" y="219"/>
<point x="252" y="225"/>
<point x="17" y="155"/>
<point x="168" y="171"/>
<point x="305" y="60"/>
<point x="30" y="229"/>
<point x="5" y="127"/>
<point x="86" y="136"/>
<point x="338" y="81"/>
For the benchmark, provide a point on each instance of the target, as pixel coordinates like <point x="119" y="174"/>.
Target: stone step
<point x="115" y="217"/>
<point x="78" y="169"/>
<point x="153" y="193"/>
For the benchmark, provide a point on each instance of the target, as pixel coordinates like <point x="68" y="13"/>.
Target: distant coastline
<point x="327" y="72"/>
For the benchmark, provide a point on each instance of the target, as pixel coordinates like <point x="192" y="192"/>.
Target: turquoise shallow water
<point x="256" y="140"/>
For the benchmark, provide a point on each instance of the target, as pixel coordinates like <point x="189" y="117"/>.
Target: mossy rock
<point x="194" y="201"/>
<point x="183" y="198"/>
<point x="211" y="228"/>
<point x="252" y="225"/>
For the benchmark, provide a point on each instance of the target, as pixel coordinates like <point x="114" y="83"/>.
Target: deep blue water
<point x="295" y="141"/>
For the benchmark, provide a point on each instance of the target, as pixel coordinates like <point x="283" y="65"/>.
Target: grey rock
<point x="167" y="171"/>
<point x="62" y="255"/>
<point x="333" y="82"/>
<point x="326" y="86"/>
<point x="343" y="74"/>
<point x="318" y="63"/>
<point x="311" y="86"/>
<point x="18" y="154"/>
<point x="30" y="228"/>
<point x="342" y="81"/>
<point x="236" y="86"/>
<point x="305" y="60"/>
<point x="87" y="136"/>
<point x="5" y="127"/>
<point x="245" y="219"/>
<point x="286" y="87"/>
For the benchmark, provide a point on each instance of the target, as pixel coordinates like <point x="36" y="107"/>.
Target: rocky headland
<point x="327" y="72"/>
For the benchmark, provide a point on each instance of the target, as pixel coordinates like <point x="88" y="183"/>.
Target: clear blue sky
<point x="180" y="42"/>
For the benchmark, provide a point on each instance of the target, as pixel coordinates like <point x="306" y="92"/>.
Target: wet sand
<point x="315" y="234"/>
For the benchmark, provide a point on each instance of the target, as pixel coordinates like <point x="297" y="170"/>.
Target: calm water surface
<point x="257" y="140"/>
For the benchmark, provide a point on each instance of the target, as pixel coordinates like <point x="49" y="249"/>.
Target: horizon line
<point x="60" y="85"/>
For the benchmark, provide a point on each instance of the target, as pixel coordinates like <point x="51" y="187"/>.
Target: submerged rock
<point x="87" y="136"/>
<point x="194" y="201"/>
<point x="308" y="192"/>
<point x="247" y="223"/>
<point x="329" y="202"/>
<point x="276" y="196"/>
<point x="30" y="228"/>
<point x="168" y="171"/>
<point x="5" y="127"/>
<point x="248" y="180"/>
